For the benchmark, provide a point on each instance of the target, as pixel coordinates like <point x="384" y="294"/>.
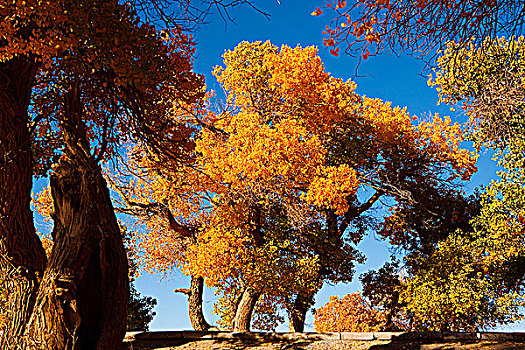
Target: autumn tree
<point x="419" y="232"/>
<point x="154" y="204"/>
<point x="273" y="189"/>
<point x="453" y="289"/>
<point x="444" y="282"/>
<point x="177" y="224"/>
<point x="382" y="289"/>
<point x="352" y="313"/>
<point x="360" y="137"/>
<point x="427" y="289"/>
<point x="463" y="258"/>
<point x="420" y="28"/>
<point x="90" y="66"/>
<point x="484" y="82"/>
<point x="449" y="287"/>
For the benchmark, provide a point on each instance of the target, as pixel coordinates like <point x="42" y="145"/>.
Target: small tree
<point x="140" y="308"/>
<point x="352" y="313"/>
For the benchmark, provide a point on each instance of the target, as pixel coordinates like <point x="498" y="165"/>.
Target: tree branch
<point x="355" y="212"/>
<point x="186" y="291"/>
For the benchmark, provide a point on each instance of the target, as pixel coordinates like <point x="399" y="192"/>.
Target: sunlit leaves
<point x="272" y="185"/>
<point x="352" y="313"/>
<point x="455" y="290"/>
<point x="487" y="81"/>
<point x="333" y="187"/>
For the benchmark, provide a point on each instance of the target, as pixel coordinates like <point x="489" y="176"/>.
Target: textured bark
<point x="198" y="321"/>
<point x="194" y="293"/>
<point x="82" y="300"/>
<point x="302" y="304"/>
<point x="243" y="314"/>
<point x="22" y="257"/>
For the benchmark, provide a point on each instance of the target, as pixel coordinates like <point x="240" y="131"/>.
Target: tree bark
<point x="194" y="293"/>
<point x="243" y="314"/>
<point x="302" y="304"/>
<point x="22" y="257"/>
<point x="82" y="300"/>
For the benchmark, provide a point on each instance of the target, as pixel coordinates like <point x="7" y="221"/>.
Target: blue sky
<point x="391" y="78"/>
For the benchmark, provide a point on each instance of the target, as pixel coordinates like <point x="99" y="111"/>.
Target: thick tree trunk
<point x="22" y="257"/>
<point x="82" y="300"/>
<point x="302" y="304"/>
<point x="244" y="312"/>
<point x="194" y="293"/>
<point x="198" y="321"/>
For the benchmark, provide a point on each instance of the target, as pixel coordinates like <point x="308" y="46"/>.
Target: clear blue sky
<point x="388" y="77"/>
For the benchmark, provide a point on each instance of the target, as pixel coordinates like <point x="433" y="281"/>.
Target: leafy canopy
<point x="352" y="313"/>
<point x="269" y="197"/>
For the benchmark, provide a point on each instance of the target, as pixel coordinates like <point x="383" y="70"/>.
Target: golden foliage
<point x="352" y="313"/>
<point x="291" y="147"/>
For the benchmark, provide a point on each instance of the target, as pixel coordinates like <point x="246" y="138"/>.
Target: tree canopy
<point x="352" y="313"/>
<point x="418" y="27"/>
<point x="270" y="197"/>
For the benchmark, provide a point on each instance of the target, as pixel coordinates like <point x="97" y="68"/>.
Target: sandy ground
<point x="343" y="345"/>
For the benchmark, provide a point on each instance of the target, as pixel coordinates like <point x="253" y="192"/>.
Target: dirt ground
<point x="343" y="345"/>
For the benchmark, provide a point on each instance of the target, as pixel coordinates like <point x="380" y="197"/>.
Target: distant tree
<point x="140" y="308"/>
<point x="352" y="313"/>
<point x="382" y="288"/>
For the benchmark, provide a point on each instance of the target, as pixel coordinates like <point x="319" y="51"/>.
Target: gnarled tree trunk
<point x="22" y="257"/>
<point x="244" y="312"/>
<point x="82" y="300"/>
<point x="302" y="303"/>
<point x="194" y="293"/>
